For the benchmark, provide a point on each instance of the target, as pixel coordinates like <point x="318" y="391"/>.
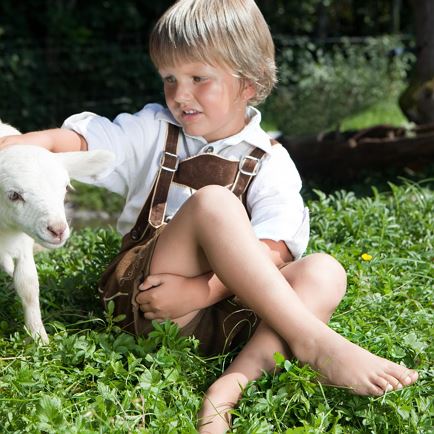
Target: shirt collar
<point x="252" y="133"/>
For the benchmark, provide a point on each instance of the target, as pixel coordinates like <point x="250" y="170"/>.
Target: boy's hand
<point x="55" y="140"/>
<point x="168" y="296"/>
<point x="8" y="140"/>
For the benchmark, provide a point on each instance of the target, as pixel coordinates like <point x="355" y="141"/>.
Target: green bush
<point x="89" y="197"/>
<point x="43" y="86"/>
<point x="318" y="88"/>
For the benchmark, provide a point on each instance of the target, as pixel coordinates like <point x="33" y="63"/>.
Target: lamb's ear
<point x="87" y="163"/>
<point x="7" y="130"/>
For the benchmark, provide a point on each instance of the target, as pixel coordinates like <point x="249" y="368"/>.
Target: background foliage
<point x="321" y="85"/>
<point x="65" y="56"/>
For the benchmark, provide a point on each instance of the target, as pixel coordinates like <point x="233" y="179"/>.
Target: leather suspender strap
<point x="205" y="169"/>
<point x="248" y="168"/>
<point x="212" y="169"/>
<point x="168" y="166"/>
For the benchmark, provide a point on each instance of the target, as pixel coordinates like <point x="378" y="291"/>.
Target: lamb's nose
<point x="57" y="229"/>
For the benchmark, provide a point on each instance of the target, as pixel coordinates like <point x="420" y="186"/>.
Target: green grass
<point x="92" y="378"/>
<point x="385" y="112"/>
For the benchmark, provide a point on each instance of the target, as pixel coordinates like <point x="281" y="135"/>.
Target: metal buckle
<point x="256" y="168"/>
<point x="163" y="156"/>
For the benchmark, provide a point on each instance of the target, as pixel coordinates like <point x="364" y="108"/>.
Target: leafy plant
<point x="94" y="378"/>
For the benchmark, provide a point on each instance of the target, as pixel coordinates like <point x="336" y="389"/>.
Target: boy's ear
<point x="248" y="91"/>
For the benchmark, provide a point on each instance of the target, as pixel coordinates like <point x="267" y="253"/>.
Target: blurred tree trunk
<point x="322" y="17"/>
<point x="396" y="16"/>
<point x="417" y="101"/>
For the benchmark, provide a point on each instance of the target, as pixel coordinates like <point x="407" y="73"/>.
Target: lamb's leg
<point x="7" y="264"/>
<point x="27" y="286"/>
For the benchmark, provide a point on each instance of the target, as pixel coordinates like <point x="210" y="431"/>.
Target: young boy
<point x="216" y="59"/>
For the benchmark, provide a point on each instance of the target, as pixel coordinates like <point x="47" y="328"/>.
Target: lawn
<point x="92" y="378"/>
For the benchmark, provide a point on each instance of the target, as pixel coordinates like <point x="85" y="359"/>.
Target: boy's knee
<point x="330" y="272"/>
<point x="214" y="201"/>
<point x="214" y="192"/>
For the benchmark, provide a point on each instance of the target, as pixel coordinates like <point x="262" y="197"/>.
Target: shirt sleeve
<point x="276" y="207"/>
<point x="129" y="136"/>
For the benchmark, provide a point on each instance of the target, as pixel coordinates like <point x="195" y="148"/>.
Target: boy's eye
<point x="169" y="79"/>
<point x="198" y="79"/>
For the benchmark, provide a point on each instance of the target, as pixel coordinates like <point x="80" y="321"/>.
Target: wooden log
<point x="343" y="153"/>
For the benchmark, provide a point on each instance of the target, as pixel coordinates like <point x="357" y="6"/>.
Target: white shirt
<point x="273" y="199"/>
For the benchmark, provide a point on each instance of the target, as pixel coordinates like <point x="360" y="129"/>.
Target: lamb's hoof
<point x="39" y="336"/>
<point x="43" y="339"/>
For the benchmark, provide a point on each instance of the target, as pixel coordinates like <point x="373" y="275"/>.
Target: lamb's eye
<point x="15" y="196"/>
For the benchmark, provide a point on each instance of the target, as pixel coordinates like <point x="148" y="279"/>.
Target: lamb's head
<point x="33" y="184"/>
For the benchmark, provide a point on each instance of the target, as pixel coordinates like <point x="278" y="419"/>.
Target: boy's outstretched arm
<point x="55" y="140"/>
<point x="169" y="296"/>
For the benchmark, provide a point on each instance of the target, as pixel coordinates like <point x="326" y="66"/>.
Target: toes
<point x="375" y="386"/>
<point x="368" y="388"/>
<point x="392" y="383"/>
<point x="377" y="390"/>
<point x="402" y="376"/>
<point x="411" y="377"/>
<point x="384" y="384"/>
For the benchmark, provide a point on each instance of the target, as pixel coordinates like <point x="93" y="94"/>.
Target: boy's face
<point x="206" y="100"/>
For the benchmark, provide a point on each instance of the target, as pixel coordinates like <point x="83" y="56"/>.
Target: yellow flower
<point x="366" y="257"/>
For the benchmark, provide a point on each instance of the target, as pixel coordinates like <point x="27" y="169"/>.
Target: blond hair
<point x="230" y="33"/>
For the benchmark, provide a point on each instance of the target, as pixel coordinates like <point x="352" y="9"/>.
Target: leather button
<point x="134" y="234"/>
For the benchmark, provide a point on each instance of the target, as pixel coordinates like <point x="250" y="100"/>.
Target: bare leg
<point x="320" y="283"/>
<point x="206" y="236"/>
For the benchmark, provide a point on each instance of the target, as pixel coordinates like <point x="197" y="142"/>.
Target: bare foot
<point x="214" y="419"/>
<point x="222" y="396"/>
<point x="344" y="364"/>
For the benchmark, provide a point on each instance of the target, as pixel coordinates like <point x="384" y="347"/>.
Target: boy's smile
<point x="207" y="100"/>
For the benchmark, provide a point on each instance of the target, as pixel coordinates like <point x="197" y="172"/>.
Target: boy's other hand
<point x="168" y="296"/>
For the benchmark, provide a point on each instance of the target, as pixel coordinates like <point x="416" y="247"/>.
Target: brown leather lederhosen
<point x="219" y="327"/>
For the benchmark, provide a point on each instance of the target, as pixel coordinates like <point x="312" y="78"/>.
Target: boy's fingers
<point x="149" y="283"/>
<point x="141" y="298"/>
<point x="151" y="315"/>
<point x="144" y="296"/>
<point x="154" y="280"/>
<point x="145" y="307"/>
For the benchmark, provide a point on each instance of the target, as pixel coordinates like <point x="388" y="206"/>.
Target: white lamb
<point x="33" y="184"/>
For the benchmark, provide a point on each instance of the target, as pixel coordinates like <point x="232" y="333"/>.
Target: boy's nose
<point x="182" y="94"/>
